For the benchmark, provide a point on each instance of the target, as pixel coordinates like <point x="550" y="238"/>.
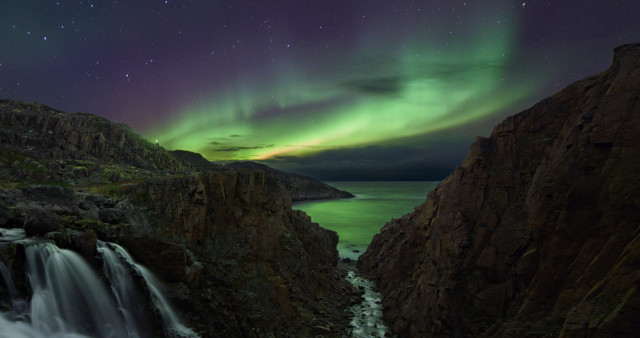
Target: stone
<point x="5" y="215"/>
<point x="51" y="194"/>
<point x="111" y="215"/>
<point x="85" y="243"/>
<point x="86" y="205"/>
<point x="100" y="201"/>
<point x="38" y="222"/>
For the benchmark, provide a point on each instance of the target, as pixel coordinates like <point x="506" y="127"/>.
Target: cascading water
<point x="69" y="300"/>
<point x="114" y="257"/>
<point x="367" y="316"/>
<point x="124" y="290"/>
<point x="17" y="305"/>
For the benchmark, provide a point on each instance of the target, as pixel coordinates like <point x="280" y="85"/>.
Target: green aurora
<point x="337" y="90"/>
<point x="374" y="96"/>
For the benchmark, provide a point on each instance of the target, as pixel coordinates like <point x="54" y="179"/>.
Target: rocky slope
<point x="537" y="232"/>
<point x="301" y="187"/>
<point x="39" y="143"/>
<point x="196" y="160"/>
<point x="237" y="260"/>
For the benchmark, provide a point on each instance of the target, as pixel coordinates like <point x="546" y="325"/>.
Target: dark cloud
<point x="216" y="141"/>
<point x="232" y="149"/>
<point x="373" y="163"/>
<point x="293" y="111"/>
<point x="453" y="71"/>
<point x="391" y="85"/>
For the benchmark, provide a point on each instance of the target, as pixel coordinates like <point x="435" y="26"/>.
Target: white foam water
<point x="367" y="316"/>
<point x="68" y="299"/>
<point x="114" y="257"/>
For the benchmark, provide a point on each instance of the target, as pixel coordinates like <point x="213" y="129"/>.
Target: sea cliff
<point x="536" y="233"/>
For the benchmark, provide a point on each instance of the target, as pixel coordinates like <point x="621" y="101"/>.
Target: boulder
<point x="38" y="222"/>
<point x="111" y="215"/>
<point x="85" y="243"/>
<point x="49" y="194"/>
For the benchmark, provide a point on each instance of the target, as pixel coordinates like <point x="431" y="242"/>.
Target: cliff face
<point x="256" y="266"/>
<point x="536" y="232"/>
<point x="301" y="188"/>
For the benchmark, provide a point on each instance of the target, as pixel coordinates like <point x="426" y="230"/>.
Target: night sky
<point x="376" y="89"/>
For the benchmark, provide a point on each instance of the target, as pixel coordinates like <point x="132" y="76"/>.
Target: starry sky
<point x="336" y="89"/>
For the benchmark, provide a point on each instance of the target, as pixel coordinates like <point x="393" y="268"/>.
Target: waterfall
<point x="114" y="257"/>
<point x="124" y="290"/>
<point x="18" y="306"/>
<point x="10" y="235"/>
<point x="68" y="299"/>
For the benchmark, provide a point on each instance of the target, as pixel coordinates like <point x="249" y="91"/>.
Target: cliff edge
<point x="301" y="188"/>
<point x="537" y="232"/>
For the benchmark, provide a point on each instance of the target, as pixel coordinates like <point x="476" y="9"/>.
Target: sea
<point x="357" y="220"/>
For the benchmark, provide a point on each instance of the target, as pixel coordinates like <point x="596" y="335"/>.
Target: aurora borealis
<point x="335" y="89"/>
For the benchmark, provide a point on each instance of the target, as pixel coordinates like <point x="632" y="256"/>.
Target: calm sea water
<point x="356" y="220"/>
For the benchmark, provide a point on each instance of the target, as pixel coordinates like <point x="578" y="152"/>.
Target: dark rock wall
<point x="536" y="232"/>
<point x="257" y="267"/>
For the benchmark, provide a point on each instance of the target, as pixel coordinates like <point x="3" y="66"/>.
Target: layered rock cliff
<point x="261" y="268"/>
<point x="301" y="188"/>
<point x="39" y="143"/>
<point x="537" y="232"/>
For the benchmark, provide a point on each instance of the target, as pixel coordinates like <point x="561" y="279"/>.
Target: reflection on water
<point x="358" y="219"/>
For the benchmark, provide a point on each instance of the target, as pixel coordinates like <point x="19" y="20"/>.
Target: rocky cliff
<point x="537" y="232"/>
<point x="39" y="143"/>
<point x="237" y="260"/>
<point x="301" y="188"/>
<point x="260" y="268"/>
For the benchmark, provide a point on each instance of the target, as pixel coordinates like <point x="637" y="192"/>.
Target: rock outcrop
<point x="537" y="232"/>
<point x="41" y="144"/>
<point x="196" y="160"/>
<point x="255" y="266"/>
<point x="301" y="188"/>
<point x="236" y="259"/>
